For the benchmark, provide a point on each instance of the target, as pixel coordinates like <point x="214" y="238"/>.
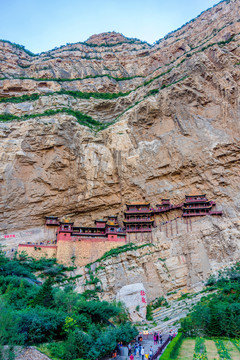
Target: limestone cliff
<point x="177" y="263"/>
<point x="161" y="121"/>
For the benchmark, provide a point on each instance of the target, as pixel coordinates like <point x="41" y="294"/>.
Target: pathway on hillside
<point x="146" y="343"/>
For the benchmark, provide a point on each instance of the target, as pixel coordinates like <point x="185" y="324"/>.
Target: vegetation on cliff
<point x="217" y="314"/>
<point x="34" y="313"/>
<point x="81" y="118"/>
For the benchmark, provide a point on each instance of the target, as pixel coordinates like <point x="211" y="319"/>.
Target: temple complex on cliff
<point x="88" y="243"/>
<point x="108" y="229"/>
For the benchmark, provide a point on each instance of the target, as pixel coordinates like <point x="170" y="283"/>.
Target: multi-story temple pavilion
<point x="198" y="205"/>
<point x="138" y="217"/>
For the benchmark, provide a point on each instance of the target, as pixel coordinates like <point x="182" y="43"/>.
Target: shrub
<point x="149" y="315"/>
<point x="40" y="324"/>
<point x="173" y="348"/>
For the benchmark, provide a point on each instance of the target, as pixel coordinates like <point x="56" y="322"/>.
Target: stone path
<point x="146" y="343"/>
<point x="27" y="353"/>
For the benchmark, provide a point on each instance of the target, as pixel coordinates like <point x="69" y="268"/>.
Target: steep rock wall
<point x="174" y="129"/>
<point x="175" y="263"/>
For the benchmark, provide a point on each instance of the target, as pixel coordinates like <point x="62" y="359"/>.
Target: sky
<point x="41" y="25"/>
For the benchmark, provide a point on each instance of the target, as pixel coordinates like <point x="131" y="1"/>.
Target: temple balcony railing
<point x="192" y="207"/>
<point x="167" y="208"/>
<point x="138" y="230"/>
<point x="215" y="212"/>
<point x="195" y="214"/>
<point x="138" y="212"/>
<point x="196" y="200"/>
<point x="162" y="209"/>
<point x="115" y="232"/>
<point x="139" y="220"/>
<point x="82" y="233"/>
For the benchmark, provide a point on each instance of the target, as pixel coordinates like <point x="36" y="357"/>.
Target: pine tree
<point x="45" y="295"/>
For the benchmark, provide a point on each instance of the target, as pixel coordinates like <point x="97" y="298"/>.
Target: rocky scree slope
<point x="88" y="126"/>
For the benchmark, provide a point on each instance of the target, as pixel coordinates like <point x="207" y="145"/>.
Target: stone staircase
<point x="168" y="317"/>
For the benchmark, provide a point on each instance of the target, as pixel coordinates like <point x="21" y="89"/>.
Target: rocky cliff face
<point x="170" y="128"/>
<point x="175" y="263"/>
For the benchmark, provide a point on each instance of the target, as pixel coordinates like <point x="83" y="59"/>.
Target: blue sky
<point x="41" y="25"/>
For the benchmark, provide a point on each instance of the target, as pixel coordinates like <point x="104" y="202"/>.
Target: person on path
<point x="131" y="357"/>
<point x="135" y="349"/>
<point x="129" y="349"/>
<point x="150" y="353"/>
<point x="156" y="338"/>
<point x="142" y="353"/>
<point x="160" y="338"/>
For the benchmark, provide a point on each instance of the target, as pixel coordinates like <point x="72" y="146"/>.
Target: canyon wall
<point x="113" y="119"/>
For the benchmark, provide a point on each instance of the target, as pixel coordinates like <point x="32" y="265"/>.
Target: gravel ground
<point x="27" y="353"/>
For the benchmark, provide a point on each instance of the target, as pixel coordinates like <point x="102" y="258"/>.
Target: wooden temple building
<point x="88" y="243"/>
<point x="104" y="229"/>
<point x="138" y="217"/>
<point x="51" y="221"/>
<point x="198" y="205"/>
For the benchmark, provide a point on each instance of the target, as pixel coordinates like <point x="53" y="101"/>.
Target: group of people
<point x="157" y="338"/>
<point x="138" y="351"/>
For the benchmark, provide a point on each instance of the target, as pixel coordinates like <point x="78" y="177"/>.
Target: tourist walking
<point x="160" y="338"/>
<point x="135" y="348"/>
<point x="129" y="349"/>
<point x="156" y="338"/>
<point x="150" y="353"/>
<point x="142" y="353"/>
<point x="131" y="357"/>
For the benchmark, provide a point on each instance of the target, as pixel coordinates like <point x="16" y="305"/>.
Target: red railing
<point x="197" y="207"/>
<point x="116" y="232"/>
<point x="138" y="230"/>
<point x="215" y="213"/>
<point x="161" y="348"/>
<point x="138" y="220"/>
<point x="167" y="208"/>
<point x="88" y="233"/>
<point x="196" y="214"/>
<point x="138" y="211"/>
<point x="196" y="200"/>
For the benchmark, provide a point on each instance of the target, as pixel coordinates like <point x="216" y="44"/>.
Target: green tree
<point x="45" y="295"/>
